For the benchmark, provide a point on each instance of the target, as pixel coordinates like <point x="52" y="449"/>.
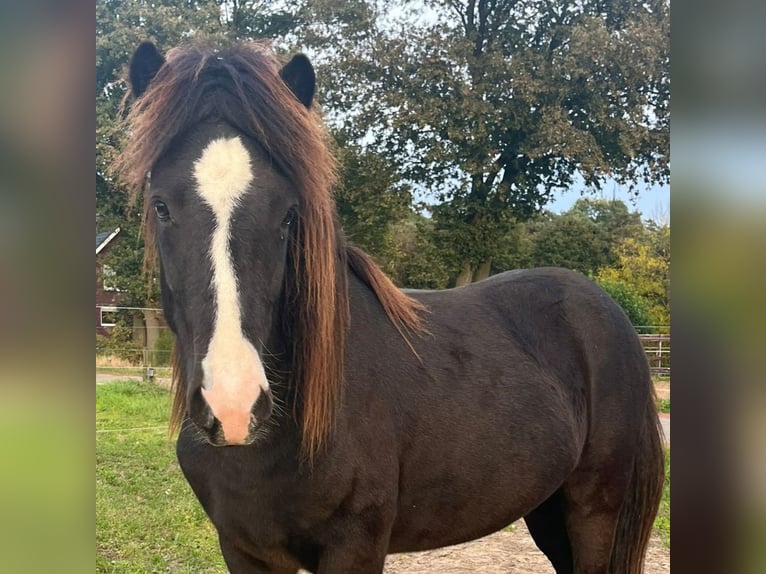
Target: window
<point x="108" y="316"/>
<point x="109" y="278"/>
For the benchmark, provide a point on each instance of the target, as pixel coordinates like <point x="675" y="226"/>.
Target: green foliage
<point x="370" y="201"/>
<point x="630" y="301"/>
<point x="417" y="262"/>
<point x="615" y="220"/>
<point x="663" y="405"/>
<point x="493" y="106"/>
<point x="126" y="258"/>
<point x="569" y="240"/>
<point x="476" y="116"/>
<point x="585" y="238"/>
<point x="163" y="347"/>
<point x="120" y="342"/>
<point x="644" y="263"/>
<point x="469" y="233"/>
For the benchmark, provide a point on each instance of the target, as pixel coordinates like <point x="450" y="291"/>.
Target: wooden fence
<point x="657" y="349"/>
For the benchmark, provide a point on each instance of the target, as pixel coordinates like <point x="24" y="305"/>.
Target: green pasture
<point x="147" y="519"/>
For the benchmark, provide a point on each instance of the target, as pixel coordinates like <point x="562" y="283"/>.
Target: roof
<point x="103" y="239"/>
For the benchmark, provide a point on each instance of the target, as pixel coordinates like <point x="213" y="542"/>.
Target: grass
<point x="663" y="405"/>
<point x="662" y="521"/>
<point x="147" y="518"/>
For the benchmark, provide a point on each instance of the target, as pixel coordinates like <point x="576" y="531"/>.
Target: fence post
<point x="148" y="369"/>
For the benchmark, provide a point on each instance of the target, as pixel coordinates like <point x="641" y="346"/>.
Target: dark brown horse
<point x="328" y="418"/>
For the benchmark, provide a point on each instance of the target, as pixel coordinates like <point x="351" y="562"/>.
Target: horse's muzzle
<point x="233" y="426"/>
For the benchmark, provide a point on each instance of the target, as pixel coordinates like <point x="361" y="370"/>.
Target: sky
<point x="653" y="202"/>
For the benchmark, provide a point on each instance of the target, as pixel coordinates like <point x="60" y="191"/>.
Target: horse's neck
<point x="363" y="303"/>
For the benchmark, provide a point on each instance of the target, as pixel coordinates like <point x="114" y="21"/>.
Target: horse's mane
<point x="242" y="87"/>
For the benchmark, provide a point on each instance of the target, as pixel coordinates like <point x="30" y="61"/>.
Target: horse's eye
<point x="290" y="217"/>
<point x="161" y="210"/>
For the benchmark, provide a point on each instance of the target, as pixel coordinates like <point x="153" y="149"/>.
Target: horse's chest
<point x="270" y="509"/>
<point x="240" y="502"/>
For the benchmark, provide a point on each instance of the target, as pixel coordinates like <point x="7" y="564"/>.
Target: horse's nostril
<point x="263" y="407"/>
<point x="201" y="413"/>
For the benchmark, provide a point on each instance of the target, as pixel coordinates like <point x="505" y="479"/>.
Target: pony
<point x="327" y="418"/>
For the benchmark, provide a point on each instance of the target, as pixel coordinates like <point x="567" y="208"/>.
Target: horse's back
<point x="555" y="316"/>
<point x="556" y="324"/>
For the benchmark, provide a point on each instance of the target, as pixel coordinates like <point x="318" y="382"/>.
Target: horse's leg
<point x="240" y="562"/>
<point x="352" y="558"/>
<point x="547" y="525"/>
<point x="360" y="545"/>
<point x="592" y="501"/>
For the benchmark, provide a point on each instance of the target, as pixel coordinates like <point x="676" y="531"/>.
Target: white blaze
<point x="233" y="374"/>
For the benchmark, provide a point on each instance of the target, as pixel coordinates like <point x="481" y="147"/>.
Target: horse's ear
<point x="144" y="65"/>
<point x="299" y="76"/>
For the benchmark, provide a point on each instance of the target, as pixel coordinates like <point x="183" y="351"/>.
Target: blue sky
<point x="652" y="202"/>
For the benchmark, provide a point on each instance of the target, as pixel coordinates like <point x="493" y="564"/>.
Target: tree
<point x="417" y="261"/>
<point x="479" y="110"/>
<point x="569" y="240"/>
<point x="370" y="199"/>
<point x="614" y="223"/>
<point x="631" y="302"/>
<point x="493" y="104"/>
<point x="585" y="238"/>
<point x="647" y="271"/>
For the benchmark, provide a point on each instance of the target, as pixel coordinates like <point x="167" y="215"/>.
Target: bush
<point x="120" y="344"/>
<point x="631" y="302"/>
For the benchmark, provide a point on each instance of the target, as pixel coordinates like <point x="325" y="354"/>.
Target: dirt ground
<point x="500" y="553"/>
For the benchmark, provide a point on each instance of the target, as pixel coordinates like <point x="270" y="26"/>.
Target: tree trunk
<point x="465" y="275"/>
<point x="152" y="328"/>
<point x="482" y="272"/>
<point x="139" y="330"/>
